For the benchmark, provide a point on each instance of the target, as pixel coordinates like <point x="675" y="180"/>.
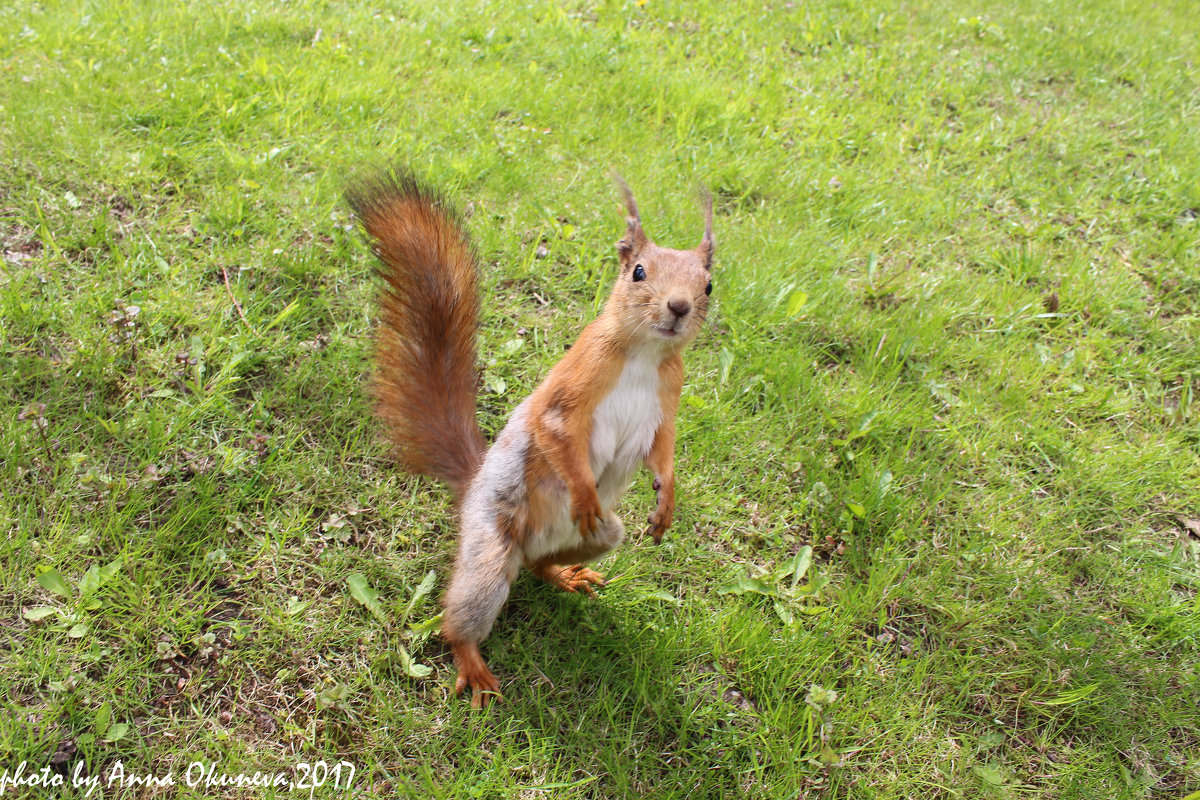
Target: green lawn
<point x="938" y="532"/>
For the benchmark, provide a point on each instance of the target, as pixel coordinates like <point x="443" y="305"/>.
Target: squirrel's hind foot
<point x="473" y="673"/>
<point x="574" y="578"/>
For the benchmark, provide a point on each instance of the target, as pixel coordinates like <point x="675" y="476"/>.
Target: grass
<point x="939" y="483"/>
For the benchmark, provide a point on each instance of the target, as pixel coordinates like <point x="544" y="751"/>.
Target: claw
<point x="575" y="578"/>
<point x="474" y="674"/>
<point x="587" y="524"/>
<point x="586" y="513"/>
<point x="658" y="524"/>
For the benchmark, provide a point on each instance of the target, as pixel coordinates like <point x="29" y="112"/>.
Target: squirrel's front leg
<point x="661" y="461"/>
<point x="565" y="441"/>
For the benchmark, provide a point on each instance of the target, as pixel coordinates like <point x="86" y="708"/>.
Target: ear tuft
<point x="707" y="245"/>
<point x="627" y="197"/>
<point x="634" y="240"/>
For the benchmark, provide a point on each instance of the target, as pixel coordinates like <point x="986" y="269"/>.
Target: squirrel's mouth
<point x="667" y="331"/>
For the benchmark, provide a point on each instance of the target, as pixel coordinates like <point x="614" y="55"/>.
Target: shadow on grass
<point x="614" y="695"/>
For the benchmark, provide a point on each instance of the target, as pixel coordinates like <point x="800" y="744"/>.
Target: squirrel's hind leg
<point x="574" y="577"/>
<point x="486" y="565"/>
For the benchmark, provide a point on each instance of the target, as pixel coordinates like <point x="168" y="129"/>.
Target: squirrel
<point x="543" y="495"/>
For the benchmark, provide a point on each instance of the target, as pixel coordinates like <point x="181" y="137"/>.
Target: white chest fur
<point x="625" y="422"/>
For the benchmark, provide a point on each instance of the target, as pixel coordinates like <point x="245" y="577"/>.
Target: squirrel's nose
<point x="679" y="307"/>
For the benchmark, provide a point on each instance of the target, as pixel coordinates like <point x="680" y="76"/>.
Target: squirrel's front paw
<point x="586" y="512"/>
<point x="659" y="521"/>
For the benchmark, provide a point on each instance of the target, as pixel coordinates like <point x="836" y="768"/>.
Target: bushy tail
<point x="425" y="380"/>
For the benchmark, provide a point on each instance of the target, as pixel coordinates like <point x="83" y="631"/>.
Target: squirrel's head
<point x="661" y="295"/>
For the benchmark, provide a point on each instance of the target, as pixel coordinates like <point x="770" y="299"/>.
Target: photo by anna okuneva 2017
<point x="838" y="364"/>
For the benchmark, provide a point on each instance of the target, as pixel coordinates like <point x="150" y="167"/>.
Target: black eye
<point x="639" y="274"/>
<point x="708" y="289"/>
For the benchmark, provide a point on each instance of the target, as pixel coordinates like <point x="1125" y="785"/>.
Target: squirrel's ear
<point x="706" y="244"/>
<point x="634" y="240"/>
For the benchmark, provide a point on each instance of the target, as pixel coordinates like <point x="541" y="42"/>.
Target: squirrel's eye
<point x="639" y="274"/>
<point x="708" y="289"/>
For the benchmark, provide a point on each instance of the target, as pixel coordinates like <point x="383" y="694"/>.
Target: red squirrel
<point x="543" y="495"/>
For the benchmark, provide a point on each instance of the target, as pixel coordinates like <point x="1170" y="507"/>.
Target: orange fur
<point x="513" y="503"/>
<point x="561" y="411"/>
<point x="661" y="458"/>
<point x="573" y="578"/>
<point x="474" y="672"/>
<point x="429" y="312"/>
